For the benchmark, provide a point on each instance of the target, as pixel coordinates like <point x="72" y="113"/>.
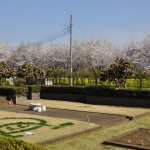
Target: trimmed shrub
<point x="103" y="91"/>
<point x="34" y="88"/>
<point x="63" y="89"/>
<point x="122" y="93"/>
<point x="19" y="81"/>
<point x="13" y="90"/>
<point x="7" y="143"/>
<point x="100" y="91"/>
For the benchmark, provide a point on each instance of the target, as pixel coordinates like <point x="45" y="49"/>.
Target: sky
<point x="118" y="21"/>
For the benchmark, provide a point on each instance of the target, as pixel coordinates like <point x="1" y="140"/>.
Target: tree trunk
<point x="116" y="83"/>
<point x="95" y="81"/>
<point x="140" y="82"/>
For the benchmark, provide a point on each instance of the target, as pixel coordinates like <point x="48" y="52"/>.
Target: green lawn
<point x="92" y="141"/>
<point x="43" y="128"/>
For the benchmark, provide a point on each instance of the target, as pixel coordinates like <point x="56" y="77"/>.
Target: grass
<point x="63" y="125"/>
<point x="9" y="129"/>
<point x="90" y="141"/>
<point x="43" y="128"/>
<point x="93" y="140"/>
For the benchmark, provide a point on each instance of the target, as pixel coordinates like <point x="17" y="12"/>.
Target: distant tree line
<point x="87" y="54"/>
<point x="95" y="58"/>
<point x="119" y="71"/>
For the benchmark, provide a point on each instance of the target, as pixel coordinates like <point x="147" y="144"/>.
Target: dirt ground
<point x="97" y="114"/>
<point x="137" y="139"/>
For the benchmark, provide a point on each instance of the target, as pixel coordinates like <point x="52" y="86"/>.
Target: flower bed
<point x="136" y="139"/>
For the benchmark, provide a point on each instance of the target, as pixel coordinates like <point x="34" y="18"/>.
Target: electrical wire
<point x="56" y="35"/>
<point x="53" y="36"/>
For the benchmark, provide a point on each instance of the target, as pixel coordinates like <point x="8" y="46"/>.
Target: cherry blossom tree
<point x="4" y="71"/>
<point x="139" y="53"/>
<point x="21" y="55"/>
<point x="97" y="54"/>
<point x="5" y="51"/>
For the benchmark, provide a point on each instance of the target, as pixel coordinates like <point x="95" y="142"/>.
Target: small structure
<point x="48" y="82"/>
<point x="36" y="107"/>
<point x="10" y="80"/>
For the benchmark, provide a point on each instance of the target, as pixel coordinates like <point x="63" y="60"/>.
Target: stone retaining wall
<point x="16" y="99"/>
<point x="33" y="95"/>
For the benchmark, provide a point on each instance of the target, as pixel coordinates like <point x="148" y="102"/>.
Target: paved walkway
<point x="97" y="118"/>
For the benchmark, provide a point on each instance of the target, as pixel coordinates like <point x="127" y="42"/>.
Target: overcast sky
<point x="118" y="21"/>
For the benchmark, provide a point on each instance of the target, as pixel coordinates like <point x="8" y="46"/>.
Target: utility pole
<point x="71" y="79"/>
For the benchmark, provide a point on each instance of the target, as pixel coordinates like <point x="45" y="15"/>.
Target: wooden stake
<point x="88" y="119"/>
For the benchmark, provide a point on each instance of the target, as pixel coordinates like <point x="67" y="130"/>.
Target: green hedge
<point x="34" y="88"/>
<point x="98" y="91"/>
<point x="113" y="92"/>
<point x="13" y="90"/>
<point x="19" y="90"/>
<point x="63" y="89"/>
<point x="7" y="143"/>
<point x="90" y="91"/>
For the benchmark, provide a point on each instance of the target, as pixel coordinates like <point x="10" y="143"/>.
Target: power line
<point x="53" y="36"/>
<point x="56" y="32"/>
<point x="56" y="35"/>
